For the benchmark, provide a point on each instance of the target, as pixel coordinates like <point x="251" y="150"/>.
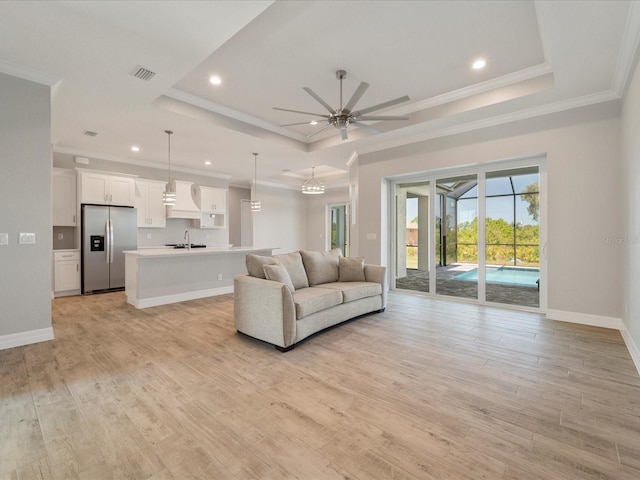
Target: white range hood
<point x="185" y="207"/>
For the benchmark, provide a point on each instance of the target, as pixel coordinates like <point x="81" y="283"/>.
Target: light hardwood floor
<point x="429" y="389"/>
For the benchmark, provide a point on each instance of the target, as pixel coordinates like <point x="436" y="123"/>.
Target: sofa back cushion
<point x="295" y="268"/>
<point x="278" y="273"/>
<point x="321" y="267"/>
<point x="351" y="269"/>
<point x="255" y="263"/>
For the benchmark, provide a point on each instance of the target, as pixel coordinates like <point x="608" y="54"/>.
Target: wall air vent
<point x="143" y="73"/>
<point x="89" y="133"/>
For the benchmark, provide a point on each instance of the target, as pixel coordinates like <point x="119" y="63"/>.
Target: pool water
<point x="507" y="275"/>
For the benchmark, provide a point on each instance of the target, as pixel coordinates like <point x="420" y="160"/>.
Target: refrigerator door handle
<point x="107" y="246"/>
<point x="110" y="241"/>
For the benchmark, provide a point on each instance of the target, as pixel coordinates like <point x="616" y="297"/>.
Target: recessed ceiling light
<point x="479" y="64"/>
<point x="207" y="162"/>
<point x="215" y="80"/>
<point x="135" y="148"/>
<point x="313" y="122"/>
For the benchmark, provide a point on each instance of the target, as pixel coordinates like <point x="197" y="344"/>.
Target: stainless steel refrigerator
<point x="106" y="233"/>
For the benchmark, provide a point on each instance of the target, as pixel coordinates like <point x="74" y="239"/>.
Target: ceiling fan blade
<point x="369" y="128"/>
<point x="319" y="130"/>
<point x="319" y="100"/>
<point x="343" y="134"/>
<point x="356" y="96"/>
<point x="383" y="117"/>
<point x="298" y="111"/>
<point x="380" y="106"/>
<point x="300" y="123"/>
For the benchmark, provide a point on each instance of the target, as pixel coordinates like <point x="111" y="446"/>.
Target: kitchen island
<point x="158" y="276"/>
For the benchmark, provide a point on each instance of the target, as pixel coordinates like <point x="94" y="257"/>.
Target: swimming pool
<point x="506" y="275"/>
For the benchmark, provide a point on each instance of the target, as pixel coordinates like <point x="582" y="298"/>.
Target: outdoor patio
<point x="446" y="284"/>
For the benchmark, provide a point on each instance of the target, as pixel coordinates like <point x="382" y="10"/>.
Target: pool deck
<point x="446" y="284"/>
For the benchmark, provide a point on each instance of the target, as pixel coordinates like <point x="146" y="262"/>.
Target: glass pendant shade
<point x="313" y="186"/>
<point x="169" y="196"/>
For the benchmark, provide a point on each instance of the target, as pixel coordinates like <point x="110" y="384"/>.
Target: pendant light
<point x="313" y="186"/>
<point x="169" y="196"/>
<point x="255" y="203"/>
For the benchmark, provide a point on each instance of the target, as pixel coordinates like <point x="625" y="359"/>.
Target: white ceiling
<point x="542" y="57"/>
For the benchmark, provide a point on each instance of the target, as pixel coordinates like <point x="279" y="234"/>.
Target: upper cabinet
<point x="213" y="206"/>
<point x="64" y="198"/>
<point x="106" y="189"/>
<point x="151" y="210"/>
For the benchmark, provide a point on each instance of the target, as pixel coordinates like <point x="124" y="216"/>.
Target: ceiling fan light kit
<point x="345" y="116"/>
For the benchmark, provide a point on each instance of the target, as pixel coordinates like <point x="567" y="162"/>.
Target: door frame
<point x="480" y="170"/>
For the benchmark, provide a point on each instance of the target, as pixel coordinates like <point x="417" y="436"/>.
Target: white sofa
<point x="286" y="298"/>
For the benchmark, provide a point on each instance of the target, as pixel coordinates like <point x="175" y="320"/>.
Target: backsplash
<point x="174" y="233"/>
<point x="63" y="237"/>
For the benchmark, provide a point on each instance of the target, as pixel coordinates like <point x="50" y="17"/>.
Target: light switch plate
<point x="27" y="238"/>
<point x="4" y="239"/>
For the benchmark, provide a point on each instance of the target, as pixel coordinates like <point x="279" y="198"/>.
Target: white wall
<point x="282" y="222"/>
<point x="317" y="216"/>
<point x="25" y="196"/>
<point x="629" y="242"/>
<point x="583" y="155"/>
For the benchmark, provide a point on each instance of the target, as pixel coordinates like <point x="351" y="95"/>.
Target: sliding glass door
<point x="473" y="235"/>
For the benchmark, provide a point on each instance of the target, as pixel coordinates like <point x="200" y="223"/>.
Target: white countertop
<point x="173" y="252"/>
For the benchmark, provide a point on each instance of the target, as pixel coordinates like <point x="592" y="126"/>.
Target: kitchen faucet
<point x="187" y="240"/>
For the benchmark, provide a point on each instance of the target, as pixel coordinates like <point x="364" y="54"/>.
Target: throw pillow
<point x="321" y="267"/>
<point x="255" y="263"/>
<point x="293" y="263"/>
<point x="278" y="273"/>
<point x="351" y="269"/>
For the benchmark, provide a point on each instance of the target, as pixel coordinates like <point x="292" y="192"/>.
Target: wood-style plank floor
<point x="429" y="389"/>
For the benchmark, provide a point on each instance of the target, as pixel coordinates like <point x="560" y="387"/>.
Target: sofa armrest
<point x="264" y="309"/>
<point x="377" y="274"/>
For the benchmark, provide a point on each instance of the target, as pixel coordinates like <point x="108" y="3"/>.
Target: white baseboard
<point x="600" y="321"/>
<point x="26" y="338"/>
<point x="178" y="297"/>
<point x="634" y="351"/>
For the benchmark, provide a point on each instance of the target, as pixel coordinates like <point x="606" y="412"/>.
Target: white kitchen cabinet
<point x="213" y="206"/>
<point x="64" y="198"/>
<point x="105" y="189"/>
<point x="66" y="267"/>
<point x="151" y="211"/>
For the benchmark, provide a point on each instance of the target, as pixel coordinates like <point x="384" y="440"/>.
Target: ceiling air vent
<point x="143" y="73"/>
<point x="89" y="133"/>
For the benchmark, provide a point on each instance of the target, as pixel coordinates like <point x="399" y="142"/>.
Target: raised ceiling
<point x="541" y="57"/>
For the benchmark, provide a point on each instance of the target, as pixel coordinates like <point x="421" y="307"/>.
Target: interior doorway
<point x="246" y="223"/>
<point x="339" y="228"/>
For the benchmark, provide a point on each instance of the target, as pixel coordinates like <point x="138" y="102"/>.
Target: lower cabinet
<point x="66" y="265"/>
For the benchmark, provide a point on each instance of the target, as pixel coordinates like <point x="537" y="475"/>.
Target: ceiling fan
<point x="344" y="116"/>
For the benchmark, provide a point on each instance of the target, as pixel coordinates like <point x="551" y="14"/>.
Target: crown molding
<point x="628" y="50"/>
<point x="139" y="163"/>
<point x="27" y="73"/>
<point x="533" y="112"/>
<point x="236" y="115"/>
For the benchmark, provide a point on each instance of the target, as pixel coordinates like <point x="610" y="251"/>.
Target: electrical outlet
<point x="148" y="236"/>
<point x="61" y="236"/>
<point x="219" y="276"/>
<point x="4" y="239"/>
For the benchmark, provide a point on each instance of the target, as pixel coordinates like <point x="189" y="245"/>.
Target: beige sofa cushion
<point x="278" y="273"/>
<point x="255" y="263"/>
<point x="352" y="291"/>
<point x="321" y="267"/>
<point x="351" y="269"/>
<point x="295" y="268"/>
<point x="312" y="300"/>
